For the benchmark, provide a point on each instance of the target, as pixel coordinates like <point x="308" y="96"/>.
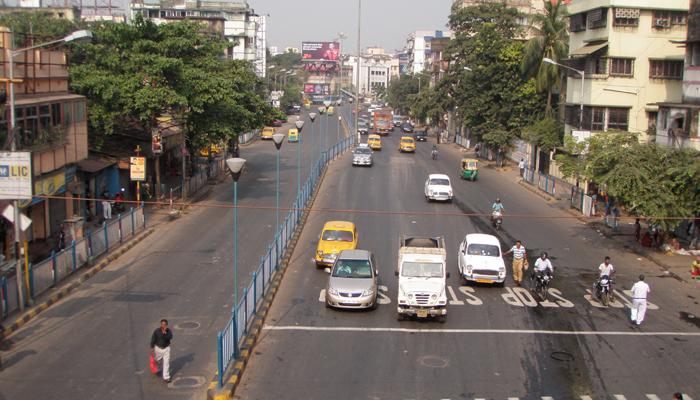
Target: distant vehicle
<point x="398" y="120"/>
<point x="480" y="259"/>
<point x="277" y="123"/>
<point x="374" y="142"/>
<point x="335" y="237"/>
<point x="294" y="109"/>
<point x="363" y="128"/>
<point x="330" y="110"/>
<point x="421" y="136"/>
<point x="362" y="155"/>
<point x="267" y="133"/>
<point x="438" y="187"/>
<point x="422" y="275"/>
<point x="407" y="127"/>
<point x="383" y="121"/>
<point x="293" y="135"/>
<point x="353" y="280"/>
<point x="407" y="145"/>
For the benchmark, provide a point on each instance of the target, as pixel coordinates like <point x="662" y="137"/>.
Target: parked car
<point x="481" y="260"/>
<point x="362" y="155"/>
<point x="438" y="187"/>
<point x="407" y="127"/>
<point x="421" y="136"/>
<point x="335" y="237"/>
<point x="277" y="123"/>
<point x="353" y="280"/>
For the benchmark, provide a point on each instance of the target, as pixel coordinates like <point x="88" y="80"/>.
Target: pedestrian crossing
<point x="649" y="396"/>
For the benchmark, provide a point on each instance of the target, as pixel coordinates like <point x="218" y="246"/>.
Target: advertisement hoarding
<point x="16" y="175"/>
<point x="321" y="67"/>
<point x="137" y="168"/>
<point x="317" y="88"/>
<point x="320" y="51"/>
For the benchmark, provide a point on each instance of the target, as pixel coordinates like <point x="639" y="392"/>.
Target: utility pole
<point x="138" y="183"/>
<point x="357" y="81"/>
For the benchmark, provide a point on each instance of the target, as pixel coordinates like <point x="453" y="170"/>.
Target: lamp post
<point x="299" y="124"/>
<point x="278" y="139"/>
<point x="340" y="118"/>
<point x="326" y="103"/>
<point x="321" y="111"/>
<point x="77" y="35"/>
<point x="235" y="166"/>
<point x="583" y="76"/>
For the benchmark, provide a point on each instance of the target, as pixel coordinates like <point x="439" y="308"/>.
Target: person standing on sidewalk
<point x="519" y="259"/>
<point x="106" y="207"/>
<point x="160" y="346"/>
<point x="640" y="290"/>
<point x="521" y="166"/>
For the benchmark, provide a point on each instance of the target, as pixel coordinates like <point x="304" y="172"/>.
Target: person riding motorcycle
<point x="496" y="210"/>
<point x="434" y="152"/>
<point x="543" y="266"/>
<point x="605" y="269"/>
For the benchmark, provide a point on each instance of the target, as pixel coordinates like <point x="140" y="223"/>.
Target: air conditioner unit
<point x="662" y="23"/>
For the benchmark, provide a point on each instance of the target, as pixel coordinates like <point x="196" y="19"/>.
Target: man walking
<point x="521" y="165"/>
<point x="160" y="346"/>
<point x="106" y="207"/>
<point x="640" y="290"/>
<point x="519" y="257"/>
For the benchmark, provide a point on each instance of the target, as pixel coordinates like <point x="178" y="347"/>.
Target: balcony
<point x="677" y="138"/>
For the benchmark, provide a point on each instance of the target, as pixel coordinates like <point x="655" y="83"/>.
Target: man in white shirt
<point x="640" y="290"/>
<point x="606" y="268"/>
<point x="521" y="166"/>
<point x="543" y="265"/>
<point x="519" y="258"/>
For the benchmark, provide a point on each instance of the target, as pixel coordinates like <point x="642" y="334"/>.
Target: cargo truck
<point x="383" y="121"/>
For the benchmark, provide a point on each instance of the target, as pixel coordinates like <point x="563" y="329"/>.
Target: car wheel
<point x="328" y="306"/>
<point x="501" y="284"/>
<point x="441" y="319"/>
<point x="375" y="304"/>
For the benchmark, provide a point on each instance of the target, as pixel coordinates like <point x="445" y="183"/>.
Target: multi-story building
<point x="525" y="7"/>
<point x="234" y="21"/>
<point x="375" y="70"/>
<point x="677" y="123"/>
<point x="437" y="63"/>
<point x="51" y="123"/>
<point x="625" y="50"/>
<point x="418" y="48"/>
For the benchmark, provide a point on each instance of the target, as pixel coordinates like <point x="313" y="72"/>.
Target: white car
<point x="481" y="259"/>
<point x="438" y="187"/>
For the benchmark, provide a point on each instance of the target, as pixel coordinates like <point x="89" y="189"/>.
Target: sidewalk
<point x="676" y="265"/>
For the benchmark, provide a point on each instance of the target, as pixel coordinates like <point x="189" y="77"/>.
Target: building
<point x="93" y="10"/>
<point x="69" y="13"/>
<point x="438" y="62"/>
<point x="274" y="51"/>
<point x="625" y="49"/>
<point x="525" y="7"/>
<point x="292" y="50"/>
<point x="418" y="48"/>
<point x="234" y="21"/>
<point x="51" y="123"/>
<point x="375" y="70"/>
<point x="677" y="123"/>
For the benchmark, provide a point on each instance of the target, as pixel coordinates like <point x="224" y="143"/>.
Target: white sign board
<point x="137" y="168"/>
<point x="9" y="214"/>
<point x="580" y="136"/>
<point x="16" y="175"/>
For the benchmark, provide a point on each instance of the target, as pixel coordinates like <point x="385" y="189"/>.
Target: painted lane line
<point x="652" y="397"/>
<point x="507" y="331"/>
<point x="586" y="398"/>
<point x="619" y="397"/>
<point x="513" y="398"/>
<point x="547" y="398"/>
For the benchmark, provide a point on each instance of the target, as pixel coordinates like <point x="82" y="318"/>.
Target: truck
<point x="383" y="121"/>
<point x="422" y="273"/>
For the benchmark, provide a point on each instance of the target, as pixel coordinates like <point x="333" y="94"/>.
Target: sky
<point x="385" y="23"/>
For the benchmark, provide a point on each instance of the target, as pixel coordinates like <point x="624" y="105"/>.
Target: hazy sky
<point x="385" y="23"/>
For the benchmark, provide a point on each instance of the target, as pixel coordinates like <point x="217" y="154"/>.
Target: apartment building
<point x="630" y="63"/>
<point x="375" y="70"/>
<point x="234" y="21"/>
<point x="418" y="48"/>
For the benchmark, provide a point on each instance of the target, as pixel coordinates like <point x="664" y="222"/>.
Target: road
<point x="94" y="344"/>
<point x="498" y="343"/>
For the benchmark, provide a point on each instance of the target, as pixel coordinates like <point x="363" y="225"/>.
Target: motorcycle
<point x="542" y="281"/>
<point x="603" y="289"/>
<point x="434" y="154"/>
<point x="497" y="219"/>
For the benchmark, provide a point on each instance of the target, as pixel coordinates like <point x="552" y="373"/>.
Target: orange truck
<point x="383" y="121"/>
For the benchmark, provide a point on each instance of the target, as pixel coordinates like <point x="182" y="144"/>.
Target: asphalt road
<point x="94" y="344"/>
<point x="497" y="342"/>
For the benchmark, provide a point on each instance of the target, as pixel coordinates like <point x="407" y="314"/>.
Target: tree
<point x="550" y="40"/>
<point x="546" y="133"/>
<point x="400" y="91"/>
<point x="27" y="26"/>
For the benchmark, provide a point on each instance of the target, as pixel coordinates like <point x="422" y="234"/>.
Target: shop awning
<point x="588" y="49"/>
<point x="94" y="164"/>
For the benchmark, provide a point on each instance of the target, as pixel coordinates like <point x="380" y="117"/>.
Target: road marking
<point x="619" y="397"/>
<point x="547" y="398"/>
<point x="382" y="298"/>
<point x="468" y="331"/>
<point x="453" y="296"/>
<point x="586" y="398"/>
<point x="653" y="397"/>
<point x="322" y="296"/>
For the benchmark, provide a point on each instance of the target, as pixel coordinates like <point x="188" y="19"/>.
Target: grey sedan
<point x="353" y="281"/>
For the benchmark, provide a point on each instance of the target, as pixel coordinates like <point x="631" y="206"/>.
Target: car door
<point x="427" y="185"/>
<point x="462" y="255"/>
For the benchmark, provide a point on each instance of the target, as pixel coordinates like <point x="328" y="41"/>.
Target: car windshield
<point x="363" y="150"/>
<point x="337" y="236"/>
<point x="477" y="249"/>
<point x="421" y="270"/>
<point x="352" y="269"/>
<point x="406" y="140"/>
<point x="420" y="133"/>
<point x="440" y="181"/>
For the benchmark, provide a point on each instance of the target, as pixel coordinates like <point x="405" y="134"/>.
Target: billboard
<point x="16" y="175"/>
<point x="325" y="51"/>
<point x="321" y="67"/>
<point x="317" y="88"/>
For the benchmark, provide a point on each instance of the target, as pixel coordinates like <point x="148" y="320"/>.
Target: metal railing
<point x="229" y="339"/>
<point x="46" y="274"/>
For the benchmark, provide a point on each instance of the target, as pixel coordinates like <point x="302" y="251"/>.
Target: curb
<point x="532" y="189"/>
<point x="37" y="309"/>
<point x="226" y="392"/>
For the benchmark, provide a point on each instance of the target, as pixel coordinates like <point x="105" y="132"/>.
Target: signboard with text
<point x="317" y="88"/>
<point x="320" y="51"/>
<point x="137" y="168"/>
<point x="16" y="175"/>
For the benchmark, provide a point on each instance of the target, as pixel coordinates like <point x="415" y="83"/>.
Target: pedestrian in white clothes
<point x="160" y="345"/>
<point x="640" y="290"/>
<point x="106" y="208"/>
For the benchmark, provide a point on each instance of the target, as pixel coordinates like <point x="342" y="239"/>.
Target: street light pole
<point x="277" y="139"/>
<point x="357" y="78"/>
<point x="583" y="77"/>
<point x="235" y="166"/>
<point x="299" y="124"/>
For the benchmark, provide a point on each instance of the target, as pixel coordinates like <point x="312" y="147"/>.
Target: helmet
<point x="498" y="200"/>
<point x="543" y="255"/>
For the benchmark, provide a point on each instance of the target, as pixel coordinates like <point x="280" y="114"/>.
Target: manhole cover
<point x="562" y="356"/>
<point x="188" y="325"/>
<point x="187" y="382"/>
<point x="433" y="361"/>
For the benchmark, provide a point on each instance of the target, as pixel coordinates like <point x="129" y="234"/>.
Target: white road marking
<point x="586" y="398"/>
<point x="513" y="398"/>
<point x="653" y="397"/>
<point x="453" y="296"/>
<point x="382" y="298"/>
<point x="506" y="331"/>
<point x="322" y="296"/>
<point x="619" y="397"/>
<point x="547" y="398"/>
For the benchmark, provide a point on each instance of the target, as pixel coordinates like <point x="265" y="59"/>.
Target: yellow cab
<point x="407" y="144"/>
<point x="330" y="110"/>
<point x="335" y="237"/>
<point x="267" y="133"/>
<point x="293" y="135"/>
<point x="374" y="142"/>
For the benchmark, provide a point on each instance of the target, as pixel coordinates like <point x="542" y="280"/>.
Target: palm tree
<point x="550" y="40"/>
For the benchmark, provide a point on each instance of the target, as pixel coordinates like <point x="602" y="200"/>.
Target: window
<point x="597" y="18"/>
<point x="56" y="114"/>
<point x="626" y="17"/>
<point x="596" y="66"/>
<point x="577" y="22"/>
<point x="666" y="69"/>
<point x="67" y="114"/>
<point x="597" y="119"/>
<point x="694" y="54"/>
<point x="666" y="19"/>
<point x="622" y="67"/>
<point x="79" y="111"/>
<point x="618" y="118"/>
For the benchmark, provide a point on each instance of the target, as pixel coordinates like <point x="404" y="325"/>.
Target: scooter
<point x="603" y="289"/>
<point x="497" y="219"/>
<point x="542" y="281"/>
<point x="434" y="154"/>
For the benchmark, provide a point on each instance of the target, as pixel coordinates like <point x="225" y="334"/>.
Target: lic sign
<point x="15" y="175"/>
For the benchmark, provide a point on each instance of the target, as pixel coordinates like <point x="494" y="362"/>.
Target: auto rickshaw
<point x="470" y="169"/>
<point x="293" y="135"/>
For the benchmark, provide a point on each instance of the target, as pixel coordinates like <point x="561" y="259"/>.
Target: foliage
<point x="470" y="21"/>
<point x="550" y="40"/>
<point x="288" y="61"/>
<point x="37" y="26"/>
<point x="401" y="92"/>
<point x="545" y="133"/>
<point x="656" y="182"/>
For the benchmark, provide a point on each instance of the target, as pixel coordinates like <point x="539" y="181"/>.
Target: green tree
<point x="400" y="91"/>
<point x="546" y="133"/>
<point x="550" y="40"/>
<point x="37" y="24"/>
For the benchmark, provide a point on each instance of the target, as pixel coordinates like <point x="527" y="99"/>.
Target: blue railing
<point x="229" y="339"/>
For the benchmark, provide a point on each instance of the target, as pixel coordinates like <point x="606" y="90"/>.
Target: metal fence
<point x="47" y="273"/>
<point x="229" y="339"/>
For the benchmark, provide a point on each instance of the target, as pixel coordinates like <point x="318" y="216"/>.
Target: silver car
<point x="353" y="281"/>
<point x="362" y="155"/>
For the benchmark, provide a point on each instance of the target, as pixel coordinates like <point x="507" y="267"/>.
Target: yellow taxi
<point x="267" y="133"/>
<point x="335" y="237"/>
<point x="330" y="110"/>
<point x="374" y="142"/>
<point x="407" y="144"/>
<point x="293" y="135"/>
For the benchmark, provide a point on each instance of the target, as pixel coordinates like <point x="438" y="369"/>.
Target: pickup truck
<point x="422" y="274"/>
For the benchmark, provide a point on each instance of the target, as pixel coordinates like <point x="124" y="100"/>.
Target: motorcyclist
<point x="543" y="266"/>
<point x="434" y="151"/>
<point x="605" y="269"/>
<point x="497" y="206"/>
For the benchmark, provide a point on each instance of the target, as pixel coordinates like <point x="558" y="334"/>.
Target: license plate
<point x="484" y="280"/>
<point x="422" y="313"/>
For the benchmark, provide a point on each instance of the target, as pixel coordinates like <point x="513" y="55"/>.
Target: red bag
<point x="153" y="364"/>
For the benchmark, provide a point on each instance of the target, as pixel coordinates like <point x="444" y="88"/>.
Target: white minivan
<point x="481" y="259"/>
